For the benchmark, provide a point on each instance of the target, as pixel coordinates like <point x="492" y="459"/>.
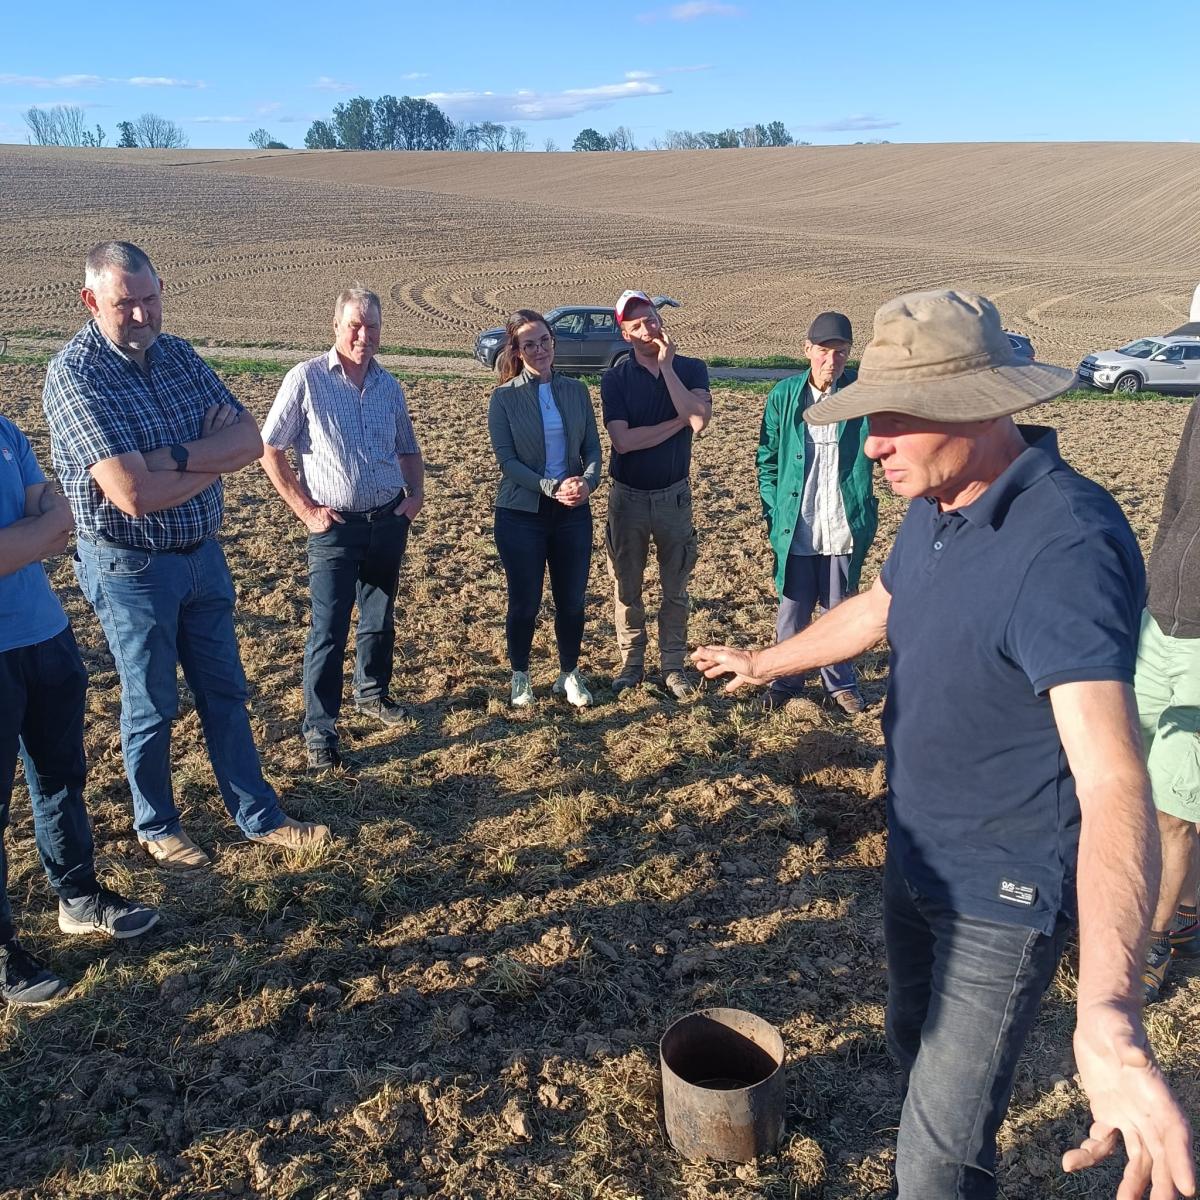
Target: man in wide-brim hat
<point x="1018" y="800"/>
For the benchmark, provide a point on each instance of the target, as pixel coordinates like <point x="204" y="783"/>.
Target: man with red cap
<point x="653" y="401"/>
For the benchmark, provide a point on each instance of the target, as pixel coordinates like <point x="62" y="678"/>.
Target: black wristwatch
<point x="180" y="455"/>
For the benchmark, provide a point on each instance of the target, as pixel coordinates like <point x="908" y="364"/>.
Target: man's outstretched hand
<point x="715" y="661"/>
<point x="1130" y="1101"/>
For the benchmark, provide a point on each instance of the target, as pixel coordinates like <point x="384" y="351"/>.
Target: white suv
<point x="1154" y="364"/>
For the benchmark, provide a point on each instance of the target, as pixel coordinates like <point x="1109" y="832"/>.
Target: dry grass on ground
<point x="1083" y="246"/>
<point x="460" y="997"/>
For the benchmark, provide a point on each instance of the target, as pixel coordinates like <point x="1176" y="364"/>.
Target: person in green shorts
<point x="1167" y="684"/>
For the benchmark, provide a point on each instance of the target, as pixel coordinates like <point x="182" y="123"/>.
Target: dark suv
<point x="586" y="338"/>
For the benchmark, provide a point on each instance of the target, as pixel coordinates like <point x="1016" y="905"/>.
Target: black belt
<point x="375" y="514"/>
<point x="112" y="544"/>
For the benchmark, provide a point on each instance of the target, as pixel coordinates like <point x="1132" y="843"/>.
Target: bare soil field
<point x="460" y="997"/>
<point x="1083" y="246"/>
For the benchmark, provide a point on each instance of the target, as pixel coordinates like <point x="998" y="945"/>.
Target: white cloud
<point x="325" y="84"/>
<point x="692" y="10"/>
<point x="667" y="71"/>
<point x="265" y="110"/>
<point x="415" y="75"/>
<point x="540" y="106"/>
<point x="218" y="120"/>
<point x="49" y="81"/>
<point x="850" y="124"/>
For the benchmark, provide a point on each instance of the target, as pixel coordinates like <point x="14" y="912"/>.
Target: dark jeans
<point x="809" y="581"/>
<point x="557" y="537"/>
<point x="161" y="612"/>
<point x="963" y="994"/>
<point x="358" y="561"/>
<point x="42" y="690"/>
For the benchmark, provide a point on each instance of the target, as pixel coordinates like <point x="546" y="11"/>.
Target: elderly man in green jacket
<point x="821" y="512"/>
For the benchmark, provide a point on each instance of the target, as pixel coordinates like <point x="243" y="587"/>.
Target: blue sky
<point x="929" y="72"/>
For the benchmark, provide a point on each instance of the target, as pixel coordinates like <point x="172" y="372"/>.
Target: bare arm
<point x="643" y="437"/>
<point x="694" y="405"/>
<point x="229" y="441"/>
<point x="43" y="531"/>
<point x="1117" y="878"/>
<point x="137" y="490"/>
<point x="853" y="626"/>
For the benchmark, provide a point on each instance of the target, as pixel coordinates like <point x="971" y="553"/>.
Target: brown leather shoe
<point x="176" y="852"/>
<point x="849" y="701"/>
<point x="293" y="834"/>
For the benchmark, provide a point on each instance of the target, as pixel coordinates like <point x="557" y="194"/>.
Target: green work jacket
<point x="781" y="461"/>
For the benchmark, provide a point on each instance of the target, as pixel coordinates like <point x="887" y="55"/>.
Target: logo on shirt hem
<point x="1023" y="894"/>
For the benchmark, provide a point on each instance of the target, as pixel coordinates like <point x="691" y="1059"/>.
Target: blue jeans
<point x="42" y="689"/>
<point x="557" y="537"/>
<point x="160" y="612"/>
<point x="359" y="560"/>
<point x="810" y="580"/>
<point x="963" y="994"/>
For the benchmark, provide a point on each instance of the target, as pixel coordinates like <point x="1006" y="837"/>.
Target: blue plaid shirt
<point x="100" y="404"/>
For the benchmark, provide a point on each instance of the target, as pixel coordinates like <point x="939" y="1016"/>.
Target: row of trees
<point x="66" y="125"/>
<point x="407" y="123"/>
<point x="752" y="136"/>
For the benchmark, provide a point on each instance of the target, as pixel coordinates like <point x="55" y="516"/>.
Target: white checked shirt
<point x="822" y="527"/>
<point x="347" y="441"/>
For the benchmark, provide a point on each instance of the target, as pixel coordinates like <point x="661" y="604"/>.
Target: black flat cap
<point x="830" y="327"/>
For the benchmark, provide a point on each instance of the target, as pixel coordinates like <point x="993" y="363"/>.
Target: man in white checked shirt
<point x="358" y="483"/>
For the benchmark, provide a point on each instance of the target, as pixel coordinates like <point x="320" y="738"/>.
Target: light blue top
<point x="29" y="610"/>
<point x="554" y="433"/>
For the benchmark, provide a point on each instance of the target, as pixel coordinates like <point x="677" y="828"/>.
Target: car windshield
<point x="1142" y="348"/>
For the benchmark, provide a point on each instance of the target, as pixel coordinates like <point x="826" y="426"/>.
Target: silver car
<point x="1153" y="364"/>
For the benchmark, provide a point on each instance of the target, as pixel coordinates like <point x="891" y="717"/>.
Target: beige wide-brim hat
<point x="943" y="356"/>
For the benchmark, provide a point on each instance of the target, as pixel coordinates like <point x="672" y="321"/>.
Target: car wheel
<point x="620" y="358"/>
<point x="1128" y="383"/>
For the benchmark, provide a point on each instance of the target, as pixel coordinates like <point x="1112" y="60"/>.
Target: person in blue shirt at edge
<point x="141" y="432"/>
<point x="543" y="433"/>
<point x="821" y="513"/>
<point x="43" y="683"/>
<point x="1018" y="800"/>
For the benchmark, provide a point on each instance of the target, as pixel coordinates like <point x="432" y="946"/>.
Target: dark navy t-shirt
<point x="629" y="393"/>
<point x="1039" y="582"/>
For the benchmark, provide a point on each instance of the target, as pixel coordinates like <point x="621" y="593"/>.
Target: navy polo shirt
<point x="1039" y="582"/>
<point x="630" y="393"/>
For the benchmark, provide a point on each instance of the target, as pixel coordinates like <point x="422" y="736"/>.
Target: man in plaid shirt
<point x="141" y="432"/>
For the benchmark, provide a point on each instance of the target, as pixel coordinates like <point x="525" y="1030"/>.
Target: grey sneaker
<point x="679" y="685"/>
<point x="631" y="675"/>
<point x="23" y="980"/>
<point x="571" y="684"/>
<point x="521" y="694"/>
<point x="105" y="912"/>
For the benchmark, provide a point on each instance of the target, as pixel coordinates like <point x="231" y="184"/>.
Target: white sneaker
<point x="522" y="690"/>
<point x="571" y="685"/>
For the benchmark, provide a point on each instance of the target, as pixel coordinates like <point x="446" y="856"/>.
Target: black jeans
<point x="557" y="537"/>
<point x="42" y="689"/>
<point x="963" y="994"/>
<point x="359" y="560"/>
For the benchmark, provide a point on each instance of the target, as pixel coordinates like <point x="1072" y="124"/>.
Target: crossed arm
<point x="139" y="484"/>
<point x="43" y="530"/>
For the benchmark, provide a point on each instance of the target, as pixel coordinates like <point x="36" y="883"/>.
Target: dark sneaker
<point x="629" y="677"/>
<point x="1185" y="940"/>
<point x="382" y="708"/>
<point x="1154" y="973"/>
<point x="105" y="912"/>
<point x="679" y="685"/>
<point x="773" y="700"/>
<point x="324" y="758"/>
<point x="23" y="980"/>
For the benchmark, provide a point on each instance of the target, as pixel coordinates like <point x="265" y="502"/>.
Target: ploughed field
<point x="1083" y="246"/>
<point x="461" y="995"/>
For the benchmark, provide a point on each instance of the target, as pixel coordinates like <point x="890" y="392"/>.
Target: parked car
<point x="1154" y="364"/>
<point x="586" y="337"/>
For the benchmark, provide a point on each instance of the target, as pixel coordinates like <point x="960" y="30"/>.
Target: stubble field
<point x="461" y="995"/>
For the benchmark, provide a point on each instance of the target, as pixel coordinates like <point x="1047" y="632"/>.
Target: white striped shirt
<point x="822" y="527"/>
<point x="347" y="441"/>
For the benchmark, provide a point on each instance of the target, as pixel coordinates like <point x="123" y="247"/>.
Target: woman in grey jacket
<point x="543" y="431"/>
